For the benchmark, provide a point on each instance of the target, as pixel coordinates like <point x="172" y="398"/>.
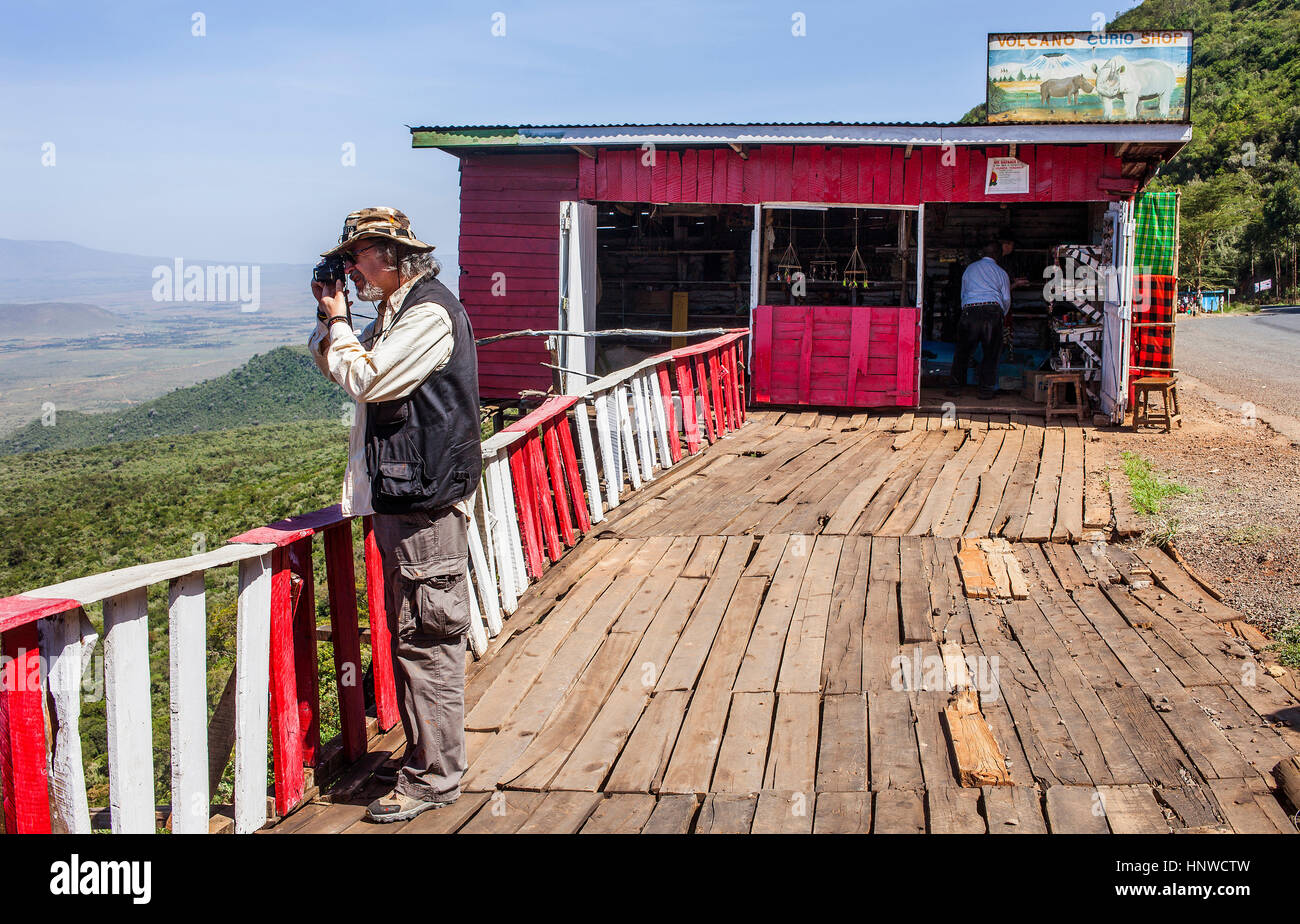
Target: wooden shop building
<point x="839" y="245"/>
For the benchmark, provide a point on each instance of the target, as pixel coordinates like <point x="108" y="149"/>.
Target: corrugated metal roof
<point x="447" y="128"/>
<point x="452" y="137"/>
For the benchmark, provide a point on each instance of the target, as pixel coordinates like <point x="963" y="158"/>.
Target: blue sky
<point x="229" y="145"/>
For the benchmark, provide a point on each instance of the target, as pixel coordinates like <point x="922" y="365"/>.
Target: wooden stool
<point x="1058" y="402"/>
<point x="1166" y="388"/>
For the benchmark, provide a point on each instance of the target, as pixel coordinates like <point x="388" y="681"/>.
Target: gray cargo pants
<point x="426" y="592"/>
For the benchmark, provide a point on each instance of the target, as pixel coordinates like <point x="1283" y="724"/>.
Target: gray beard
<point x="369" y="292"/>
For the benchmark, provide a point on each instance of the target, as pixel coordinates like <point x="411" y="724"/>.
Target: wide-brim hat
<point x="379" y="221"/>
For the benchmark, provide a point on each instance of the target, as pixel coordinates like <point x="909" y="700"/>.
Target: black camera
<point x="329" y="271"/>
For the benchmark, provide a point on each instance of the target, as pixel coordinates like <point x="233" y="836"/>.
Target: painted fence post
<point x="307" y="675"/>
<point x="541" y="493"/>
<point x="582" y="420"/>
<point x="22" y="734"/>
<point x="381" y="642"/>
<point x="67" y="639"/>
<point x="702" y="383"/>
<point x="252" y="663"/>
<point x="509" y="553"/>
<point x="129" y="713"/>
<point x="572" y="478"/>
<point x="666" y="393"/>
<point x="611" y="461"/>
<point x="528" y="514"/>
<point x="286" y="735"/>
<point x="555" y="468"/>
<point x="346" y="637"/>
<point x="629" y="441"/>
<point x="690" y="417"/>
<point x="188" y="672"/>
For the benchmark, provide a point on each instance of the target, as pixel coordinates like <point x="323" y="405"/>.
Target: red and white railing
<point x="536" y="499"/>
<point x="540" y="497"/>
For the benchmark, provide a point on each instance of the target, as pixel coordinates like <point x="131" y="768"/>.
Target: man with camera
<point x="414" y="462"/>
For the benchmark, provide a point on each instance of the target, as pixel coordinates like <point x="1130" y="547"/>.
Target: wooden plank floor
<point x="791" y="678"/>
<point x="907" y="474"/>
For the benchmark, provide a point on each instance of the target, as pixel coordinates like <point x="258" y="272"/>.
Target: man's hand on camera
<point x="331" y="300"/>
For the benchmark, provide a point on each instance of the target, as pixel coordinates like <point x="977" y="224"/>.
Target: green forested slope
<point x="75" y="512"/>
<point x="1240" y="175"/>
<point x="279" y="386"/>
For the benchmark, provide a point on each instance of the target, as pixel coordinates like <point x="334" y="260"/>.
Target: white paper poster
<point x="1006" y="175"/>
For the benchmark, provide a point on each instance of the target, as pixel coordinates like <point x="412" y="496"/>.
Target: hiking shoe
<point x="398" y="807"/>
<point x="985" y="395"/>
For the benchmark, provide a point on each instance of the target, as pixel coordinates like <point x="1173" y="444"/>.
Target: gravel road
<point x="1256" y="357"/>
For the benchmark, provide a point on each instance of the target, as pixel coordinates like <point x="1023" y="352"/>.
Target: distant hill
<point x="280" y="386"/>
<point x="55" y="319"/>
<point x="64" y="271"/>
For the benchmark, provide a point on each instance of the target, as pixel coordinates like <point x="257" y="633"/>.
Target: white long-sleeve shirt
<point x="985" y="281"/>
<point x="389" y="361"/>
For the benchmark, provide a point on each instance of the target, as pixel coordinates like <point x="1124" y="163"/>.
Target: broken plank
<point x="979" y="760"/>
<point x="975" y="575"/>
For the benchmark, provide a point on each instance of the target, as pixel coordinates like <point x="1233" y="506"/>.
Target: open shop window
<point x="668" y="267"/>
<point x="1050" y="328"/>
<point x="838" y="255"/>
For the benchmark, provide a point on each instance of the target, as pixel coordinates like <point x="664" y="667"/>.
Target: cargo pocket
<point x="400" y="470"/>
<point x="438" y="597"/>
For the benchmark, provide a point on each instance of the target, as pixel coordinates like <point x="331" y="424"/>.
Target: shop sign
<point x="1005" y="176"/>
<point x="1089" y="76"/>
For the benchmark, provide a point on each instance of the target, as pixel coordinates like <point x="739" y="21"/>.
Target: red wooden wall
<point x="876" y="174"/>
<point x="510" y="224"/>
<point x="835" y="355"/>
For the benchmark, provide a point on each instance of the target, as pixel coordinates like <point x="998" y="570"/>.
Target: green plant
<point x="1287" y="645"/>
<point x="1150" y="489"/>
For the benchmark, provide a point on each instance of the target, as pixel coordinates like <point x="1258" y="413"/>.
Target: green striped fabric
<point x="1156" y="215"/>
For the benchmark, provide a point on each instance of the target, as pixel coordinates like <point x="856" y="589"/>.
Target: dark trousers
<point x="426" y="592"/>
<point x="980" y="324"/>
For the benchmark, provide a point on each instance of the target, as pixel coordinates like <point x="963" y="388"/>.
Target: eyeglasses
<point x="349" y="257"/>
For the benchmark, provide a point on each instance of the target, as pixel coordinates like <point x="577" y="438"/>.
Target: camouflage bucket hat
<point x="379" y="221"/>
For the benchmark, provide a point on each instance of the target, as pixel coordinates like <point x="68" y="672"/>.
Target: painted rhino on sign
<point x="1130" y="81"/>
<point x="1068" y="87"/>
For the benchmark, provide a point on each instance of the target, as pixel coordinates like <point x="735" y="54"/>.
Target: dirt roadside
<point x="1239" y="524"/>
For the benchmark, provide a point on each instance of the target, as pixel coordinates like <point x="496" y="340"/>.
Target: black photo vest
<point x="422" y="451"/>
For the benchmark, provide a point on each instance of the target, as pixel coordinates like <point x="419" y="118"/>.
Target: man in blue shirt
<point x="985" y="304"/>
